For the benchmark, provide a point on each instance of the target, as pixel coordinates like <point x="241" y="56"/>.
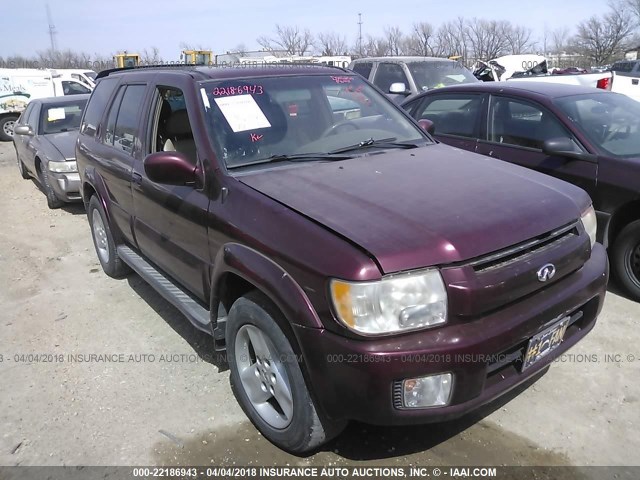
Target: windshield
<point x="435" y="74"/>
<point x="610" y="120"/>
<point x="61" y="118"/>
<point x="254" y="120"/>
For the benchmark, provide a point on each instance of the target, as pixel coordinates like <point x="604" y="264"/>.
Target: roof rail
<point x="109" y="71"/>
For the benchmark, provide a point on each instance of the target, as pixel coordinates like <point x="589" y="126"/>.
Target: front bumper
<point x="66" y="186"/>
<point x="355" y="379"/>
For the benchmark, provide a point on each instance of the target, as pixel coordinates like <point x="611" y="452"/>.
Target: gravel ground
<point x="168" y="401"/>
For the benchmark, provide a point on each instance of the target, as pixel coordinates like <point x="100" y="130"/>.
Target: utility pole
<point x="52" y="30"/>
<point x="360" y="34"/>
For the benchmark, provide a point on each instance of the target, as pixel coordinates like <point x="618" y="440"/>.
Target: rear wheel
<point x="267" y="380"/>
<point x="111" y="263"/>
<point x="625" y="260"/>
<point x="6" y="127"/>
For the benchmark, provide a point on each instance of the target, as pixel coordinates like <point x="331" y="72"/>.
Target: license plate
<point x="545" y="342"/>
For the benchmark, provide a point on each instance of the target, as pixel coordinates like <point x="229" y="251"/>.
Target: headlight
<point x="63" y="167"/>
<point x="395" y="304"/>
<point x="590" y="223"/>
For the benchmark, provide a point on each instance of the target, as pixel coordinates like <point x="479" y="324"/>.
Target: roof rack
<point x="186" y="66"/>
<point x="106" y="73"/>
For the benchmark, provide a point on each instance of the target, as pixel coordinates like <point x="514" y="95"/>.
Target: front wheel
<point x="625" y="260"/>
<point x="267" y="380"/>
<point x="52" y="199"/>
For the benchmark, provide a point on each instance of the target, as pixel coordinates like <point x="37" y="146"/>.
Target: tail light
<point x="604" y="83"/>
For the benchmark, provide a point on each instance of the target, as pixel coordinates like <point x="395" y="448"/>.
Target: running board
<point x="196" y="313"/>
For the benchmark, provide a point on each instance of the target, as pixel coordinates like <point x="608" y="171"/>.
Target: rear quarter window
<point x="363" y="68"/>
<point x="97" y="105"/>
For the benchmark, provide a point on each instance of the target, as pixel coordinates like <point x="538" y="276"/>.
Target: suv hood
<point x="428" y="206"/>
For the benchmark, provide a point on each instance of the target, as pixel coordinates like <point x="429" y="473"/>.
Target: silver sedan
<point x="44" y="138"/>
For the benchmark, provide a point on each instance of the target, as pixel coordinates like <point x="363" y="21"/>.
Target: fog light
<point x="431" y="391"/>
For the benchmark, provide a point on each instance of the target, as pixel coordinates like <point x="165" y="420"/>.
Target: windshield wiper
<point x="381" y="143"/>
<point x="294" y="157"/>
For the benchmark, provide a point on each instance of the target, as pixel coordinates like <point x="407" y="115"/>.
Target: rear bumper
<point x="66" y="186"/>
<point x="355" y="379"/>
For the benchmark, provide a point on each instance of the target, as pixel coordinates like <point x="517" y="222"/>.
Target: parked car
<point x="400" y="77"/>
<point x="510" y="66"/>
<point x="569" y="71"/>
<point x="44" y="138"/>
<point x="20" y="85"/>
<point x="352" y="267"/>
<point x="586" y="136"/>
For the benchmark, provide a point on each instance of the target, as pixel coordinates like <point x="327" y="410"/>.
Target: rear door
<point x="170" y="220"/>
<point x="456" y="117"/>
<point x="121" y="137"/>
<point x="515" y="132"/>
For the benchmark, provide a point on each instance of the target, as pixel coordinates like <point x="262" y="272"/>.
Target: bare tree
<point x="422" y="40"/>
<point x="331" y="43"/>
<point x="375" y="47"/>
<point x="634" y="6"/>
<point x="560" y="39"/>
<point x="452" y="39"/>
<point x="394" y="40"/>
<point x="519" y="39"/>
<point x="602" y="38"/>
<point x="290" y="39"/>
<point x="488" y="38"/>
<point x="240" y="49"/>
<point x="151" y="57"/>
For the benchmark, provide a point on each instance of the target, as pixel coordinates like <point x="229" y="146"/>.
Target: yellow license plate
<point x="545" y="342"/>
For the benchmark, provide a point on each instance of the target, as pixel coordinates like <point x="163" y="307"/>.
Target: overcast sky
<point x="116" y="25"/>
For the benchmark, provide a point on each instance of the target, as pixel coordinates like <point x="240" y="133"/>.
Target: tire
<point x="6" y="127"/>
<point x="106" y="250"/>
<point x="625" y="259"/>
<point x="52" y="199"/>
<point x="272" y="393"/>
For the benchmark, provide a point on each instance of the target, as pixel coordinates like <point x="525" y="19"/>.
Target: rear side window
<point x="363" y="68"/>
<point x="452" y="114"/>
<point x="122" y="124"/>
<point x="388" y="74"/>
<point x="625" y="67"/>
<point x="96" y="106"/>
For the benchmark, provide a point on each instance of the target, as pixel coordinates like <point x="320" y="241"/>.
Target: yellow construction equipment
<point x="197" y="57"/>
<point x="127" y="60"/>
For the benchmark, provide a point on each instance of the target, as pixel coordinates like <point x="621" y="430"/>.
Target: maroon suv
<point x="352" y="267"/>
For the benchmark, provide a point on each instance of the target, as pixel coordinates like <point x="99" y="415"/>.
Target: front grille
<point x="517" y="253"/>
<point x="498" y="279"/>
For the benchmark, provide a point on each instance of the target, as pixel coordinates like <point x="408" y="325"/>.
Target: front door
<point x="170" y="221"/>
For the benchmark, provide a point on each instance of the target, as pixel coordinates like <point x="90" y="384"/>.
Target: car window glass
<point x="113" y="116"/>
<point x="28" y="117"/>
<point x="388" y="74"/>
<point x="515" y="122"/>
<point x="452" y="114"/>
<point x="61" y="118"/>
<point x="73" y="88"/>
<point x="363" y="68"/>
<point x="172" y="129"/>
<point x="126" y="127"/>
<point x="96" y="106"/>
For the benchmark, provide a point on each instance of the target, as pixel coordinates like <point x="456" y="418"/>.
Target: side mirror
<point x="427" y="125"/>
<point x="23" y="130"/>
<point x="564" y="147"/>
<point x="170" y="168"/>
<point x="399" y="89"/>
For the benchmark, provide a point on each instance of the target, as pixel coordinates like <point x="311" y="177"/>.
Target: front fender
<point x="268" y="277"/>
<point x="91" y="178"/>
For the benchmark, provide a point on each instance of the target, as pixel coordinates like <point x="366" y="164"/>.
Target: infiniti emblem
<point x="546" y="272"/>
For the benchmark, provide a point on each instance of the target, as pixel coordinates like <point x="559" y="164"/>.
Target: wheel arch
<point x="623" y="216"/>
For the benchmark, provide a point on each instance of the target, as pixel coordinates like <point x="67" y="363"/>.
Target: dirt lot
<point x="168" y="401"/>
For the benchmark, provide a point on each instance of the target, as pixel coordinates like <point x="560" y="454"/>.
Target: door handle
<point x="634" y="81"/>
<point x="137" y="178"/>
